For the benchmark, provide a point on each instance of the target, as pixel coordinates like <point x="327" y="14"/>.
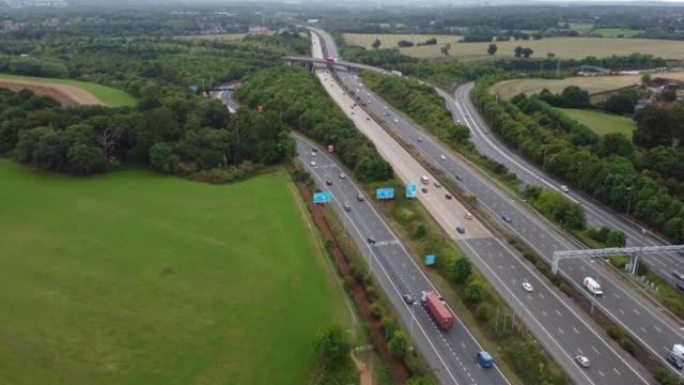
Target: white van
<point x="424" y="180"/>
<point x="593" y="286"/>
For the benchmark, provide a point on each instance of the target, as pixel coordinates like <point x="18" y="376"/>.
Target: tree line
<point x="299" y="100"/>
<point x="603" y="167"/>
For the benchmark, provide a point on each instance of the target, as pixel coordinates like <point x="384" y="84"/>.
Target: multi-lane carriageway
<point x="563" y="331"/>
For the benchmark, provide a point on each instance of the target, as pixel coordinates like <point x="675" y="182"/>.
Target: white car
<point x="442" y="157"/>
<point x="527" y="286"/>
<point x="468" y="216"/>
<point x="564" y="188"/>
<point x="396" y="120"/>
<point x="582" y="361"/>
<point x="313" y="163"/>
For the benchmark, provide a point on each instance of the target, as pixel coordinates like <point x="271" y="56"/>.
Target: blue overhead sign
<point x="429" y="260"/>
<point x="411" y="190"/>
<point x="193" y="89"/>
<point x="322" y="197"/>
<point x="384" y="193"/>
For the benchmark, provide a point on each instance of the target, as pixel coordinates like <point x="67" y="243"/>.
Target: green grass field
<point x="616" y="32"/>
<point x="581" y="27"/>
<point x="562" y="47"/>
<point x="112" y="97"/>
<point x="601" y="122"/>
<point x="225" y="36"/>
<point x="138" y="278"/>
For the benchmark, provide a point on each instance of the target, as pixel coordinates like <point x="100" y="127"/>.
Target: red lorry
<point x="331" y="60"/>
<point x="438" y="310"/>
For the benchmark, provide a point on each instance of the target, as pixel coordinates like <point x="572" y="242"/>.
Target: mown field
<point x="569" y="48"/>
<point x="137" y="278"/>
<point x="226" y="36"/>
<point x="509" y="88"/>
<point x="616" y="32"/>
<point x="601" y="122"/>
<point x="109" y="96"/>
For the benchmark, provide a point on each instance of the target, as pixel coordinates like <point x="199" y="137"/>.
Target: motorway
<point x="550" y="316"/>
<point x="489" y="144"/>
<point x="450" y="354"/>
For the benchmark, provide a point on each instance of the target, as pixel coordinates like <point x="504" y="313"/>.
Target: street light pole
<point x="629" y="201"/>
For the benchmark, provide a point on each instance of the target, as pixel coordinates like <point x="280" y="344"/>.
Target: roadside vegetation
<point x="103" y="283"/>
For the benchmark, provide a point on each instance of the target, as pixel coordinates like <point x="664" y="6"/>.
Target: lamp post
<point x="629" y="201"/>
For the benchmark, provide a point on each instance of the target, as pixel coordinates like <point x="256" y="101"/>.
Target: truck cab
<point x="593" y="286"/>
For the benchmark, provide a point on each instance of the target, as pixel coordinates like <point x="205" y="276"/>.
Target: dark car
<point x="680" y="286"/>
<point x="424" y="190"/>
<point x="408" y="298"/>
<point x="460" y="229"/>
<point x="678" y="274"/>
<point x="359" y="198"/>
<point x="328" y="182"/>
<point x="447" y="196"/>
<point x="458" y="177"/>
<point x="371" y="240"/>
<point x="506" y="218"/>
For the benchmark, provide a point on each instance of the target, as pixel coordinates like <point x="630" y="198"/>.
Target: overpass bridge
<point x="341" y="64"/>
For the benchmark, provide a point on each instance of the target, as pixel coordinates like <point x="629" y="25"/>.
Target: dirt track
<point x="69" y="96"/>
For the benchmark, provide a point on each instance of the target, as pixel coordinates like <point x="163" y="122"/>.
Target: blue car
<point x="506" y="218"/>
<point x="485" y="360"/>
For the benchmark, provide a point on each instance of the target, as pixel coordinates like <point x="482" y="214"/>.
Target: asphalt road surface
<point x="597" y="215"/>
<point x="649" y="324"/>
<point x="563" y="331"/>
<point x="451" y="354"/>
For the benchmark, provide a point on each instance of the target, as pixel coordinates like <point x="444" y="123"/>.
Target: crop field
<point x="391" y="40"/>
<point x="509" y="88"/>
<point x="138" y="278"/>
<point x="69" y="92"/>
<point x="562" y="47"/>
<point x="601" y="122"/>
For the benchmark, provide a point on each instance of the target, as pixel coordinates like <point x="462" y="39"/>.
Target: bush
<point x="483" y="312"/>
<point x="398" y="344"/>
<point x="332" y="344"/>
<point x="475" y="292"/>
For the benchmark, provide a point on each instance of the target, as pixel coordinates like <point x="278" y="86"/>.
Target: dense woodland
<point x="298" y="98"/>
<point x="172" y="129"/>
<point x="643" y="181"/>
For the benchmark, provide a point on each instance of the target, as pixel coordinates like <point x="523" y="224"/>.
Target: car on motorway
<point x="484" y="359"/>
<point x="468" y="215"/>
<point x="527" y="286"/>
<point x="564" y="188"/>
<point x="424" y="190"/>
<point x="442" y="157"/>
<point x="438" y="185"/>
<point x="678" y="274"/>
<point x="342" y="176"/>
<point x="314" y="149"/>
<point x="582" y="361"/>
<point x="313" y="163"/>
<point x="313" y="153"/>
<point x="360" y="198"/>
<point x="347" y="206"/>
<point x="447" y="196"/>
<point x="424" y="180"/>
<point x="396" y="120"/>
<point x="680" y="286"/>
<point x="419" y="139"/>
<point x="367" y="118"/>
<point x="506" y="218"/>
<point x="459" y="178"/>
<point x="460" y="229"/>
<point x="371" y="240"/>
<point x="408" y="298"/>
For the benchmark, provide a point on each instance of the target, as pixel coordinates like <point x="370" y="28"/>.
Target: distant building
<point x="259" y="30"/>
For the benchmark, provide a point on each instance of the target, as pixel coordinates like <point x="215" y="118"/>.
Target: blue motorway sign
<point x="411" y="190"/>
<point x="193" y="89"/>
<point x="322" y="197"/>
<point x="384" y="193"/>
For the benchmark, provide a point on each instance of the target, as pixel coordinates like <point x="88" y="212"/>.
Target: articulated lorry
<point x="438" y="310"/>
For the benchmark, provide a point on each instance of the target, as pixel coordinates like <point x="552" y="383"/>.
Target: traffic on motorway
<point x="441" y="337"/>
<point x="664" y="264"/>
<point x="565" y="333"/>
